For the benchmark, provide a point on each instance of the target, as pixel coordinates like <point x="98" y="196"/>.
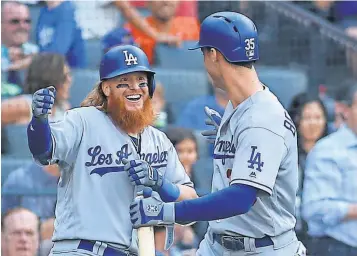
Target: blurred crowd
<point x="43" y="48"/>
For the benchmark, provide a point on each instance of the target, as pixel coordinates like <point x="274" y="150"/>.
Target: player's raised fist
<point x="42" y="102"/>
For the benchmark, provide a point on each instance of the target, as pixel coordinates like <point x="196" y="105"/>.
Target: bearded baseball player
<point x="251" y="207"/>
<point x="106" y="149"/>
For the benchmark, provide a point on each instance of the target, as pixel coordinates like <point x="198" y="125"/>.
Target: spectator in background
<point x="310" y="118"/>
<point x="96" y="17"/>
<point x="119" y="36"/>
<point x="162" y="110"/>
<point x="346" y="13"/>
<point x="330" y="185"/>
<point x="186" y="147"/>
<point x="19" y="233"/>
<point x="29" y="178"/>
<point x="16" y="51"/>
<point x="185" y="8"/>
<point x="17" y="110"/>
<point x="193" y="116"/>
<point x="163" y="20"/>
<point x="57" y="32"/>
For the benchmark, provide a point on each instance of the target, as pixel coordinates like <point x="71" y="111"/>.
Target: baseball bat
<point x="146" y="236"/>
<point x="146" y="241"/>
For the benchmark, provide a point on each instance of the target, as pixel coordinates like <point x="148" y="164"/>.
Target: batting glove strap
<point x="169" y="214"/>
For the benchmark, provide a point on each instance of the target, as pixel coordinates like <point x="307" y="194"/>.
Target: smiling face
<point x="129" y="103"/>
<point x="132" y="89"/>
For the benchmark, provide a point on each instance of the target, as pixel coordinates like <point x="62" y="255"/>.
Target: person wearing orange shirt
<point x="163" y="20"/>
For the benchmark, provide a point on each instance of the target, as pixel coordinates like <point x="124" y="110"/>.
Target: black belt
<point x="89" y="245"/>
<point x="234" y="243"/>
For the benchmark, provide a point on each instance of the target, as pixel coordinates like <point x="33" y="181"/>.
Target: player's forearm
<point x="39" y="139"/>
<point x="186" y="192"/>
<point x="234" y="200"/>
<point x="328" y="212"/>
<point x="134" y="17"/>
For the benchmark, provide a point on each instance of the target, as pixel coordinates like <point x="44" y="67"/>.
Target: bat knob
<point x="146" y="192"/>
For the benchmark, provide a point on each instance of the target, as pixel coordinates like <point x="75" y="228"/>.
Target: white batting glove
<point x="215" y="121"/>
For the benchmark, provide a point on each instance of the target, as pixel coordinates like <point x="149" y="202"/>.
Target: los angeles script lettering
<point x="99" y="158"/>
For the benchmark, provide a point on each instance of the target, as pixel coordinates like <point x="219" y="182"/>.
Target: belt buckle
<point x="233" y="243"/>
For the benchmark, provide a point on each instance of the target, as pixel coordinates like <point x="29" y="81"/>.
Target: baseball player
<point x="255" y="179"/>
<point x="107" y="151"/>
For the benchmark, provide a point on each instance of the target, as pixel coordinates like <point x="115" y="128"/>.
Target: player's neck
<point x="135" y="135"/>
<point x="241" y="83"/>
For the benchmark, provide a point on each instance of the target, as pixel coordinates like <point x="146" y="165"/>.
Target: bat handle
<point x="146" y="239"/>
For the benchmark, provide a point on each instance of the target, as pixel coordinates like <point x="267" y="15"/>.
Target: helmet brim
<point x="195" y="46"/>
<point x="127" y="71"/>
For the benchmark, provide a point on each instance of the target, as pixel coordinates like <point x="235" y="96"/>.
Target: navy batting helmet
<point x="125" y="59"/>
<point x="233" y="34"/>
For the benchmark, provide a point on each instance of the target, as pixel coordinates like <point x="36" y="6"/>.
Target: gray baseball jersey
<point x="94" y="191"/>
<point x="256" y="145"/>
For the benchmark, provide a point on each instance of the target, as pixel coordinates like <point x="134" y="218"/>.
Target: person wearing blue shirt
<point x="31" y="177"/>
<point x="57" y="31"/>
<point x="193" y="116"/>
<point x="330" y="185"/>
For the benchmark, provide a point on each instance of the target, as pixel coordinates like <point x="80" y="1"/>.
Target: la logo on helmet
<point x="130" y="59"/>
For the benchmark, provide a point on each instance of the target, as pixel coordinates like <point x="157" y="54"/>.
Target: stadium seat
<point x="17" y="144"/>
<point x="182" y="85"/>
<point x="9" y="164"/>
<point x="179" y="58"/>
<point x="285" y="83"/>
<point x="84" y="81"/>
<point x="94" y="53"/>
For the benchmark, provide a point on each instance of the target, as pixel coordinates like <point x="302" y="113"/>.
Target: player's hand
<point x="151" y="211"/>
<point x="42" y="102"/>
<point x="214" y="119"/>
<point x="141" y="173"/>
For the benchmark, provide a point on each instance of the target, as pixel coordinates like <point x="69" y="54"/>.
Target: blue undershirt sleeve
<point x="218" y="205"/>
<point x="40" y="139"/>
<point x="168" y="192"/>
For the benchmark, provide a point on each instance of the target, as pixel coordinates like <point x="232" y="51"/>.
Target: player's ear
<point x="105" y="88"/>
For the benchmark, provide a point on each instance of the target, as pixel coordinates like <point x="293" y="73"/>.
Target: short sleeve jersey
<point x="256" y="145"/>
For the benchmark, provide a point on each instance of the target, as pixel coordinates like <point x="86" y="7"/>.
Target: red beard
<point x="131" y="121"/>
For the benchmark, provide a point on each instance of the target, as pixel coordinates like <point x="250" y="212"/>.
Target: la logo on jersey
<point x="130" y="59"/>
<point x="255" y="162"/>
